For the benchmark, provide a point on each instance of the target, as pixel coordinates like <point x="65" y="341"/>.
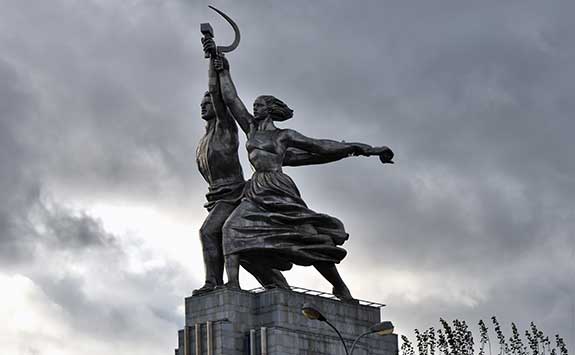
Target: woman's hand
<point x="221" y="63"/>
<point x="385" y="154"/>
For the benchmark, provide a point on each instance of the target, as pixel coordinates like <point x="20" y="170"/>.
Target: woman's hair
<point x="278" y="110"/>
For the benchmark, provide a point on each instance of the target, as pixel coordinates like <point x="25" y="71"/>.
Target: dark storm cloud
<point x="18" y="190"/>
<point x="88" y="274"/>
<point x="48" y="243"/>
<point x="101" y="99"/>
<point x="112" y="88"/>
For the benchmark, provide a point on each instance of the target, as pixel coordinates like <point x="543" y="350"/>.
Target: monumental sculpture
<point x="263" y="224"/>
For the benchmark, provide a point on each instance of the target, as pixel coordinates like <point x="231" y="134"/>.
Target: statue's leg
<point x="329" y="271"/>
<point x="233" y="271"/>
<point x="273" y="278"/>
<point x="266" y="276"/>
<point x="211" y="238"/>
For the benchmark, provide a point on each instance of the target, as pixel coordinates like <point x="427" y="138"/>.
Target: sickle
<point x="236" y="41"/>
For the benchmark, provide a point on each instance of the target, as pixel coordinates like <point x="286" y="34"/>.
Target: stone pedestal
<point x="229" y="322"/>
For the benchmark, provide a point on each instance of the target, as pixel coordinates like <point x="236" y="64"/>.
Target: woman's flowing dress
<point x="273" y="225"/>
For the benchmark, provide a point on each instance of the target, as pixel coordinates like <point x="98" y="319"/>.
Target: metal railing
<point x="327" y="295"/>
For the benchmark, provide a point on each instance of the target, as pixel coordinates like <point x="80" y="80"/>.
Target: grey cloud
<point x="75" y="231"/>
<point x="47" y="242"/>
<point x="112" y="89"/>
<point x="18" y="189"/>
<point x="87" y="273"/>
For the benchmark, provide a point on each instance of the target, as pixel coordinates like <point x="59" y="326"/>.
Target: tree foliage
<point x="456" y="338"/>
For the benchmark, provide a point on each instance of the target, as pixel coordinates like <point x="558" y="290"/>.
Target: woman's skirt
<point x="273" y="226"/>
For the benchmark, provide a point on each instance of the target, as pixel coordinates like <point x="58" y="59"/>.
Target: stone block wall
<point x="237" y="322"/>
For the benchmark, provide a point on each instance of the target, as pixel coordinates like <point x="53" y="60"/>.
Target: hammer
<point x="208" y="32"/>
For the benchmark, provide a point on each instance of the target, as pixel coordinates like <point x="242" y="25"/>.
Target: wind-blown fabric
<point x="273" y="225"/>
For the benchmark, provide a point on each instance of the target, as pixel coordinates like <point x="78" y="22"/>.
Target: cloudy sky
<point x="101" y="199"/>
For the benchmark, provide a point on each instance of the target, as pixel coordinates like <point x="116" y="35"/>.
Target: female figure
<point x="273" y="226"/>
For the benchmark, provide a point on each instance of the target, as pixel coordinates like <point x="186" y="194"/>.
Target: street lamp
<point x="383" y="328"/>
<point x="311" y="312"/>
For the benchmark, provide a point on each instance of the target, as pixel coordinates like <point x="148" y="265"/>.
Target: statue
<point x="272" y="228"/>
<point x="218" y="162"/>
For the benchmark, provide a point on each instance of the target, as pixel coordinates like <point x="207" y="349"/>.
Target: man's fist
<point x="209" y="45"/>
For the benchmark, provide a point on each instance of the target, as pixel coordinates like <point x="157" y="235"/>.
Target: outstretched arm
<point x="298" y="157"/>
<point x="325" y="150"/>
<point x="323" y="146"/>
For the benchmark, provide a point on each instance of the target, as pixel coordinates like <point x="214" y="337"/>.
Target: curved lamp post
<point x="383" y="328"/>
<point x="311" y="312"/>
